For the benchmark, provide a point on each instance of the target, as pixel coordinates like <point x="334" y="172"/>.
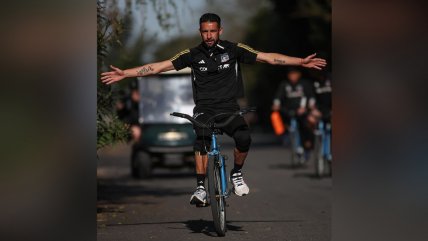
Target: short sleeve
<point x="246" y="54"/>
<point x="182" y="60"/>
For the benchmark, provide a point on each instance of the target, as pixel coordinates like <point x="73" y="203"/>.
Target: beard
<point x="212" y="47"/>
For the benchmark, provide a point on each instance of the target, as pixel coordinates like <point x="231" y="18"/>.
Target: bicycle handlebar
<point x="188" y="117"/>
<point x="213" y="124"/>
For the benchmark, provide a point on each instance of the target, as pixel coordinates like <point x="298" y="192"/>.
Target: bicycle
<point x="216" y="170"/>
<point x="297" y="151"/>
<point x="322" y="149"/>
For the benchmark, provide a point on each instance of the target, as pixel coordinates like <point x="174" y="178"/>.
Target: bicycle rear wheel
<point x="217" y="201"/>
<point x="319" y="157"/>
<point x="294" y="156"/>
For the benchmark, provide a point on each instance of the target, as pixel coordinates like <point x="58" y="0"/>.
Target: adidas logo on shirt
<point x="201" y="62"/>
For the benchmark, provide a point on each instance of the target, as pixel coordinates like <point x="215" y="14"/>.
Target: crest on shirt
<point x="224" y="57"/>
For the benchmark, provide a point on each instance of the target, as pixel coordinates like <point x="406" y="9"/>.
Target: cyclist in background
<point x="127" y="110"/>
<point x="321" y="109"/>
<point x="217" y="84"/>
<point x="295" y="98"/>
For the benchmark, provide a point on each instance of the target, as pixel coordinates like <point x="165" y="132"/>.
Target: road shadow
<point x="194" y="226"/>
<point x="170" y="174"/>
<point x="287" y="166"/>
<point x="116" y="192"/>
<point x="301" y="171"/>
<point x="207" y="226"/>
<point x="310" y="175"/>
<point x="117" y="188"/>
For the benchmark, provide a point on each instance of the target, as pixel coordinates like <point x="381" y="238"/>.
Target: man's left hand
<point x="312" y="62"/>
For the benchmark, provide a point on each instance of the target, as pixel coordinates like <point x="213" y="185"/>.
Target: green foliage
<point x="109" y="128"/>
<point x="113" y="34"/>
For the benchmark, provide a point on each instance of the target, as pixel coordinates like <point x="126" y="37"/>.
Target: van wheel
<point x="141" y="165"/>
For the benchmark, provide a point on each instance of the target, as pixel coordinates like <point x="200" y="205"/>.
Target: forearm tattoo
<point x="279" y="61"/>
<point x="144" y="70"/>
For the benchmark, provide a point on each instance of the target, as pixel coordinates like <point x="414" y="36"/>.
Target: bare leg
<point x="199" y="197"/>
<point x="201" y="162"/>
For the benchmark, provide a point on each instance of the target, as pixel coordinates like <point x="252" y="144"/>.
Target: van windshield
<point x="162" y="94"/>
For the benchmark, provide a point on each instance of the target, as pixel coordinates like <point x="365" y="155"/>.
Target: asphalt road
<point x="283" y="204"/>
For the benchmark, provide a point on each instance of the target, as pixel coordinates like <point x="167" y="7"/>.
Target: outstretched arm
<point x="145" y="70"/>
<point x="280" y="59"/>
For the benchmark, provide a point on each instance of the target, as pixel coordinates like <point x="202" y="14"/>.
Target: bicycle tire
<point x="141" y="165"/>
<point x="217" y="201"/>
<point x="294" y="157"/>
<point x="319" y="156"/>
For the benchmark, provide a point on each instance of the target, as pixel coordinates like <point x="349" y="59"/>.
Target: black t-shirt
<point x="292" y="96"/>
<point x="216" y="74"/>
<point x="323" y="95"/>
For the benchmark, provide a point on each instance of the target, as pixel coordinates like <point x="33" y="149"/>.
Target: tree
<point x="113" y="32"/>
<point x="109" y="128"/>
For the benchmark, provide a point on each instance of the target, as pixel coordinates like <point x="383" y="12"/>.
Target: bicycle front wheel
<point x="217" y="200"/>
<point x="319" y="157"/>
<point x="293" y="141"/>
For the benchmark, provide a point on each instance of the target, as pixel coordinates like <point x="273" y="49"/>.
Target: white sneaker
<point x="240" y="188"/>
<point x="300" y="150"/>
<point x="199" y="197"/>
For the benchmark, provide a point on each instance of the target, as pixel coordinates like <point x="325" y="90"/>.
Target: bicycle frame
<point x="294" y="128"/>
<point x="323" y="149"/>
<point x="217" y="185"/>
<point x="297" y="158"/>
<point x="216" y="169"/>
<point x="325" y="131"/>
<point x="215" y="151"/>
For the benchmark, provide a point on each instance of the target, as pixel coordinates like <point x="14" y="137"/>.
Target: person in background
<point x="127" y="110"/>
<point x="294" y="98"/>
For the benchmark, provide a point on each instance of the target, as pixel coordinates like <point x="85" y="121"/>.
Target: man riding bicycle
<point x="217" y="84"/>
<point x="294" y="99"/>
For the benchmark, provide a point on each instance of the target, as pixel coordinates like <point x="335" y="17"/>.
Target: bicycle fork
<point x="326" y="139"/>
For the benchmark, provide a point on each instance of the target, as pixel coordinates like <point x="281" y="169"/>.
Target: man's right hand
<point x="275" y="108"/>
<point x="112" y="76"/>
<point x="301" y="110"/>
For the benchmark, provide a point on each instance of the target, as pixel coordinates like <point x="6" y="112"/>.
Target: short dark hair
<point x="210" y="17"/>
<point x="293" y="69"/>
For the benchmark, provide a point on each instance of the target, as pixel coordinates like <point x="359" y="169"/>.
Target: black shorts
<point x="206" y="114"/>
